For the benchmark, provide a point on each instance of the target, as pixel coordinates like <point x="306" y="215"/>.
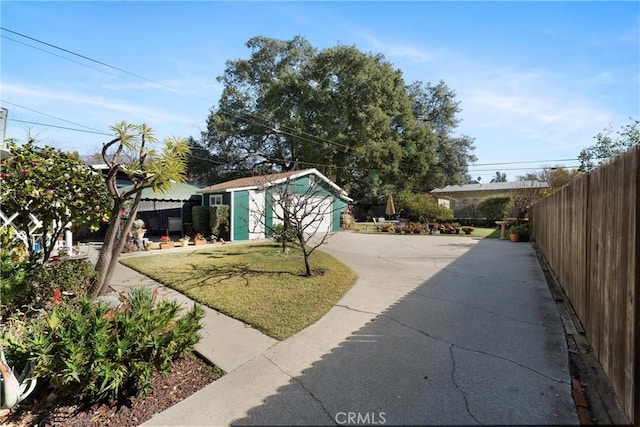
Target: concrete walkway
<point x="437" y="330"/>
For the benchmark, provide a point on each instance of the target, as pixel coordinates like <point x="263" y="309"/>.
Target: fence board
<point x="588" y="232"/>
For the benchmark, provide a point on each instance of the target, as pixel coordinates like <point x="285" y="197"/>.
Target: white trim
<point x="231" y="215"/>
<point x="341" y="193"/>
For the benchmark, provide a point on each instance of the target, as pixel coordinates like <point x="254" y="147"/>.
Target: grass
<point x="255" y="283"/>
<point x="370" y="228"/>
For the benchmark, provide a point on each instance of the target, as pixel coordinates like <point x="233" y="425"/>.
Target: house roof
<point x="468" y="190"/>
<point x="263" y="181"/>
<point x="179" y="191"/>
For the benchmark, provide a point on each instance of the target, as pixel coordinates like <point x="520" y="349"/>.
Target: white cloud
<point x="398" y="50"/>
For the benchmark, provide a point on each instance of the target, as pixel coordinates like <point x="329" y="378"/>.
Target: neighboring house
<point x="168" y="212"/>
<point x="465" y="198"/>
<point x="251" y="210"/>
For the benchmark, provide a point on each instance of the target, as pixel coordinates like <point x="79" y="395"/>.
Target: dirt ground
<point x="188" y="375"/>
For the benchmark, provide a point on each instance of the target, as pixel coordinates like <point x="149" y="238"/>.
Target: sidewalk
<point x="437" y="330"/>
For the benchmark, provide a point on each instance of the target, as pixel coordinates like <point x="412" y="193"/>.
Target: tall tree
<point x="608" y="145"/>
<point x="348" y="113"/>
<point x="131" y="153"/>
<point x="438" y="108"/>
<point x="257" y="120"/>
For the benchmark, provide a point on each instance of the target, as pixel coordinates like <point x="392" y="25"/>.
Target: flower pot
<point x="168" y="245"/>
<point x="184" y="243"/>
<point x="199" y="242"/>
<point x="514" y="237"/>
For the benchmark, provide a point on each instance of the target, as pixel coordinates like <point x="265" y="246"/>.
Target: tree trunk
<point x="106" y="253"/>
<point x="110" y="251"/>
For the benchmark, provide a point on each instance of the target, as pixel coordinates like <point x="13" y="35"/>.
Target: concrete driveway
<point x="437" y="330"/>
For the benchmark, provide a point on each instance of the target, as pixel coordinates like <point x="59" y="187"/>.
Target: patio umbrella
<point x="390" y="209"/>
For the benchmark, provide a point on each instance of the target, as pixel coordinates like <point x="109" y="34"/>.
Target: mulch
<point x="188" y="375"/>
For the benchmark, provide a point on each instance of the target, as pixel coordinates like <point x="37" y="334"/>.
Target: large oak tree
<point x="347" y="113"/>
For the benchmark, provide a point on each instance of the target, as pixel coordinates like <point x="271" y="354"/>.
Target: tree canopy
<point x="608" y="145"/>
<point x="347" y="113"/>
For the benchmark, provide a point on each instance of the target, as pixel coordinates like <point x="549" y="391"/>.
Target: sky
<point x="536" y="81"/>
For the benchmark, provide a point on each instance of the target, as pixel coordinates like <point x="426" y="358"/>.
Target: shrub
<point x="495" y="208"/>
<point x="88" y="351"/>
<point x="219" y="220"/>
<point x="200" y="216"/>
<point x="278" y="234"/>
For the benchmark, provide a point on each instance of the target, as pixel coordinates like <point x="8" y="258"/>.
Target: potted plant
<point x="148" y="246"/>
<point x="467" y="230"/>
<point x="514" y="235"/>
<point x="138" y="228"/>
<point x="166" y="243"/>
<point x="523" y="231"/>
<point x="199" y="239"/>
<point x="184" y="242"/>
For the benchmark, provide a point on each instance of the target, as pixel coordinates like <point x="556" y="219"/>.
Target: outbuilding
<point x="251" y="201"/>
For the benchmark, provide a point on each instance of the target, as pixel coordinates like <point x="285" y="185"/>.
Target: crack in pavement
<point x="420" y="331"/>
<point x="326" y="411"/>
<point x="356" y="310"/>
<point x="481" y="309"/>
<point x="455" y="383"/>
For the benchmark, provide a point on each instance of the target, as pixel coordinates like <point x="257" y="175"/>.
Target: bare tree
<point x="301" y="209"/>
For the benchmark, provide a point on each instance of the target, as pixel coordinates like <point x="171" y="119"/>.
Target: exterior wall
<point x="247" y="208"/>
<point x="256" y="214"/>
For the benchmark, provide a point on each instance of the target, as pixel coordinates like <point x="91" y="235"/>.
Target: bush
<point x="219" y="220"/>
<point x="421" y="207"/>
<point x="278" y="234"/>
<point x="200" y="216"/>
<point x="495" y="208"/>
<point x="88" y="351"/>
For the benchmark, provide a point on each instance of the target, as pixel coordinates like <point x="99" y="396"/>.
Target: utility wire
<point x="54" y="117"/>
<point x="59" y="127"/>
<point x="254" y="116"/>
<point x="297" y="133"/>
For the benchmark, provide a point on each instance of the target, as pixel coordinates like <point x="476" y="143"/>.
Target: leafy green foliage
<point x="348" y="113"/>
<point x="495" y="208"/>
<point x="419" y="207"/>
<point x="88" y="351"/>
<point x="219" y="220"/>
<point x="14" y="270"/>
<point x="281" y="235"/>
<point x="608" y="146"/>
<point x="200" y="215"/>
<point x="53" y="186"/>
<point x="72" y="276"/>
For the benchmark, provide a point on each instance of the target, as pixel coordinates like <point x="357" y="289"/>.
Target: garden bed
<point x="188" y="375"/>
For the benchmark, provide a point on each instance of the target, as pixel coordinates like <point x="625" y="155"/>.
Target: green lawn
<point x="254" y="283"/>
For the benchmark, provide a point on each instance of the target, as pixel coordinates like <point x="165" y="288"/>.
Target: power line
<point x="53" y="117"/>
<point x="528" y="161"/>
<point x="224" y="111"/>
<point x="59" y="127"/>
<point x="54" y="54"/>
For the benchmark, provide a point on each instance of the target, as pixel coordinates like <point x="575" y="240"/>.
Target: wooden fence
<point x="588" y="232"/>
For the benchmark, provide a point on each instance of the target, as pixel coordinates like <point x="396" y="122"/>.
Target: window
<point x="215" y="199"/>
